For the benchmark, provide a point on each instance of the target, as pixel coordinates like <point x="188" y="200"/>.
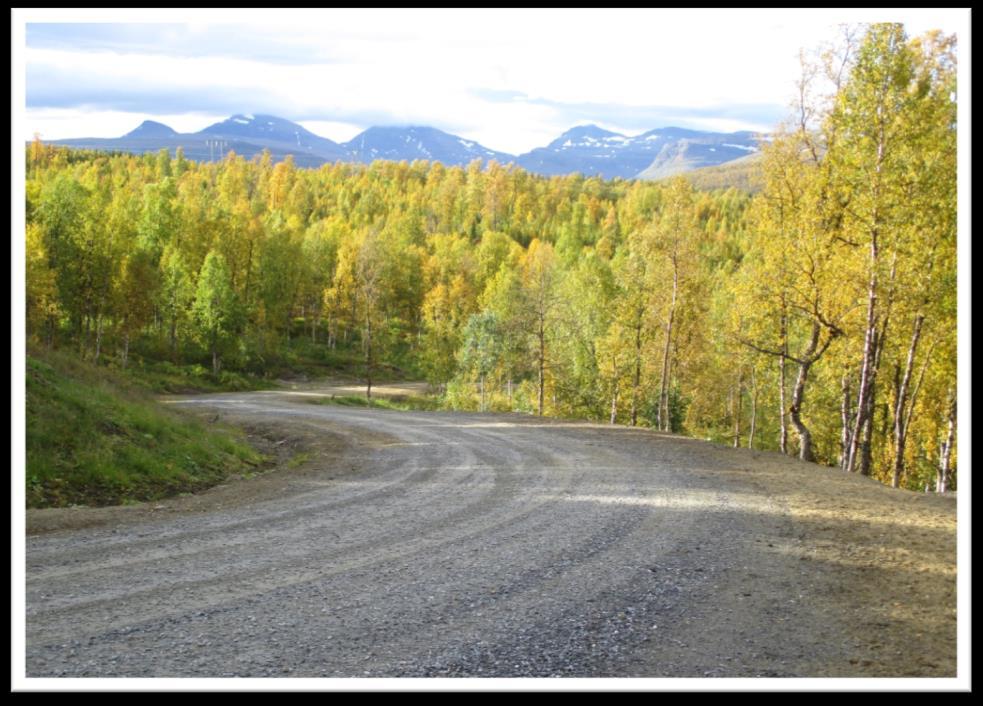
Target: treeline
<point x="817" y="317"/>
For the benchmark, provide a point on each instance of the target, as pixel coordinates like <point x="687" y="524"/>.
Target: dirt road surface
<point x="404" y="544"/>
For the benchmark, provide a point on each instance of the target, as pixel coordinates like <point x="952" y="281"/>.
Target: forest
<point x="815" y="316"/>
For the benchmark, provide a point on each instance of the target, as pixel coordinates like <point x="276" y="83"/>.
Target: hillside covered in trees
<point x="816" y="317"/>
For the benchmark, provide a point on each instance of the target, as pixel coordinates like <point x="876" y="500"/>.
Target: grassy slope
<point x="743" y="174"/>
<point x="93" y="438"/>
<point x="157" y="376"/>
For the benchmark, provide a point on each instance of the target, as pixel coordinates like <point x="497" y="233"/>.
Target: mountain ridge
<point x="586" y="149"/>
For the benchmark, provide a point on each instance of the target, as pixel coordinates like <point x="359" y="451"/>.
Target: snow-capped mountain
<point x="278" y="135"/>
<point x="693" y="153"/>
<point x="410" y="143"/>
<point x="587" y="149"/>
<point x="591" y="151"/>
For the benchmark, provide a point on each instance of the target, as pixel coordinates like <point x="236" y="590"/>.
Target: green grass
<point x="402" y="403"/>
<point x="299" y="459"/>
<point x="164" y="377"/>
<point x="95" y="438"/>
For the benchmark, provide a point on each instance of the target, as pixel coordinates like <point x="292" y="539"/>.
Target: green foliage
<point x="93" y="439"/>
<point x="481" y="342"/>
<point x="629" y="301"/>
<point x="167" y="377"/>
<point x="214" y="308"/>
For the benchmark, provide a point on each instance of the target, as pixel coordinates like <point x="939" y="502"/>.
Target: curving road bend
<point x="449" y="544"/>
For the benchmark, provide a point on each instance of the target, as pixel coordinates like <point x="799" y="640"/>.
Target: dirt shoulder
<point x="887" y="558"/>
<point x="294" y="453"/>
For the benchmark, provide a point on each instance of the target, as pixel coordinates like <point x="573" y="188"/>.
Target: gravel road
<point x="443" y="545"/>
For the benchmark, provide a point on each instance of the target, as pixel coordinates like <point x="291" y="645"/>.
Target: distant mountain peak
<point x="589" y="136"/>
<point x="589" y="130"/>
<point x="278" y="134"/>
<point x="592" y="150"/>
<point x="248" y="122"/>
<point x="410" y="142"/>
<point x="586" y="149"/>
<point x="151" y="128"/>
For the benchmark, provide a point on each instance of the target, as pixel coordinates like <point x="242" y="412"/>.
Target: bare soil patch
<point x="893" y="553"/>
<point x="867" y="573"/>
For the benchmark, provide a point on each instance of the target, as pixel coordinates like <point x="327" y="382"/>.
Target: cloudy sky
<point x="509" y="79"/>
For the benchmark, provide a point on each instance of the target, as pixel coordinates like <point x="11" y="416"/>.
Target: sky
<point x="511" y="80"/>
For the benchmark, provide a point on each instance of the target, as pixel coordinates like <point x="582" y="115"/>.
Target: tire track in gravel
<point x="460" y="545"/>
<point x="213" y="566"/>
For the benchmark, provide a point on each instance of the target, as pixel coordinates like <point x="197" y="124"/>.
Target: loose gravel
<point x="469" y="545"/>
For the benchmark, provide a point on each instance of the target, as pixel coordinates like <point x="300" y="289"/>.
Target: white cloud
<point x="439" y="67"/>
